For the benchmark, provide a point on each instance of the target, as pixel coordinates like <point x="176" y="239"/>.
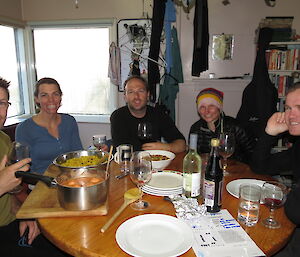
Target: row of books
<point x="288" y="59"/>
<point x="282" y="83"/>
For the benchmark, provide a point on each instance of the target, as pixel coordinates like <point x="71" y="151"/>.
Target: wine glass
<point x="99" y="141"/>
<point x="19" y="151"/>
<point x="144" y="132"/>
<point x="274" y="195"/>
<point x="226" y="148"/>
<point x="140" y="174"/>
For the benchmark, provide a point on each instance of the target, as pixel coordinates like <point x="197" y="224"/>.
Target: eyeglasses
<point x="132" y="92"/>
<point x="4" y="104"/>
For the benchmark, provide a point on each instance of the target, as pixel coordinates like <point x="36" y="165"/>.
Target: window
<point x="77" y="57"/>
<point x="9" y="67"/>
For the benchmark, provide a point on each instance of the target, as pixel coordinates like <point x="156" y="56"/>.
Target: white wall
<point x="11" y="9"/>
<point x="240" y="18"/>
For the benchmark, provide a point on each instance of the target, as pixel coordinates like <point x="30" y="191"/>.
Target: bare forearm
<point x="177" y="146"/>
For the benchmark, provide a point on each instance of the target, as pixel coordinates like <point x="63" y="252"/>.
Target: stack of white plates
<point x="164" y="183"/>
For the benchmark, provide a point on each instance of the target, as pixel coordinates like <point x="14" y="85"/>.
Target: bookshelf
<point x="283" y="61"/>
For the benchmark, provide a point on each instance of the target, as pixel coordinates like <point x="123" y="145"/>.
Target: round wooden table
<point x="81" y="236"/>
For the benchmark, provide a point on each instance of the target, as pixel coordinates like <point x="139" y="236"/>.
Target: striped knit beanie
<point x="209" y="96"/>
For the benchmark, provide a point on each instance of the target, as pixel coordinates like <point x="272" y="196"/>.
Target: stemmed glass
<point x="144" y="132"/>
<point x="19" y="151"/>
<point x="99" y="141"/>
<point x="140" y="174"/>
<point x="226" y="148"/>
<point x="274" y="195"/>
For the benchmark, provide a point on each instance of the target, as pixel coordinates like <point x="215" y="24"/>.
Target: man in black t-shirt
<point x="125" y="120"/>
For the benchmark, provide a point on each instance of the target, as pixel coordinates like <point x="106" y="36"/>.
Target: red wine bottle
<point x="213" y="182"/>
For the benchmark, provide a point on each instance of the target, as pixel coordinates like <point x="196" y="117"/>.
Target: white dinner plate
<point x="154" y="235"/>
<point x="166" y="180"/>
<point x="233" y="186"/>
<point x="162" y="192"/>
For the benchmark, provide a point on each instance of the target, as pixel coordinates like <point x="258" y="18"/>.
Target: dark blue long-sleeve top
<point x="44" y="148"/>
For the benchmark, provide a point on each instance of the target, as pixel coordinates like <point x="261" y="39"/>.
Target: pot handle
<point x="49" y="181"/>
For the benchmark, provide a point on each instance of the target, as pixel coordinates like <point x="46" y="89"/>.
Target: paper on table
<point x="219" y="234"/>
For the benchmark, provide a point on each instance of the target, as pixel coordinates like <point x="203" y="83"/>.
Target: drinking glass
<point x="123" y="156"/>
<point x="19" y="151"/>
<point x="249" y="204"/>
<point x="226" y="148"/>
<point x="274" y="195"/>
<point x="99" y="141"/>
<point x="140" y="174"/>
<point x="144" y="132"/>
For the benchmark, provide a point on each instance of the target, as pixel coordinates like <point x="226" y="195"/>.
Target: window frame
<point x="27" y="70"/>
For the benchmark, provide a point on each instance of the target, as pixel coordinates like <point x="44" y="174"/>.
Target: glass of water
<point x="249" y="204"/>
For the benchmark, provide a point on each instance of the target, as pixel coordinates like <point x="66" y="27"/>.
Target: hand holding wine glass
<point x="19" y="151"/>
<point x="140" y="174"/>
<point x="226" y="148"/>
<point x="8" y="180"/>
<point x="274" y="195"/>
<point x="144" y="132"/>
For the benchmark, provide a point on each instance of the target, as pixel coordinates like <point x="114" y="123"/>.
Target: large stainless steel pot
<point x="76" y="198"/>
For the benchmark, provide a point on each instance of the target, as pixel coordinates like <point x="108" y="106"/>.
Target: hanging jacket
<point x="260" y="96"/>
<point x="201" y="38"/>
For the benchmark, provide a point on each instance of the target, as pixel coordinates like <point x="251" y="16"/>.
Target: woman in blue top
<point x="48" y="133"/>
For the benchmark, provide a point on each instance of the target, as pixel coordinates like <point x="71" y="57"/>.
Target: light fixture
<point x="76" y="3"/>
<point x="225" y="2"/>
<point x="270" y="3"/>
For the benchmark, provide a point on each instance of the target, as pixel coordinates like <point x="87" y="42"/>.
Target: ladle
<point x="130" y="196"/>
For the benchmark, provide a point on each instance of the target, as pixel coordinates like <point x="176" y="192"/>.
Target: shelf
<point x="286" y="43"/>
<point x="283" y="72"/>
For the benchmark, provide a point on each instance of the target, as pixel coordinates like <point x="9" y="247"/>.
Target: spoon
<point x="130" y="196"/>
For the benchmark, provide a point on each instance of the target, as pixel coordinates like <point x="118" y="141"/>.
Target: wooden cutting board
<point x="42" y="202"/>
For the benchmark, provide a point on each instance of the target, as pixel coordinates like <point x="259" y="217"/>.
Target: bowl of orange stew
<point x="160" y="159"/>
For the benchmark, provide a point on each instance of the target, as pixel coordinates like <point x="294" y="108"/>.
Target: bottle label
<point x="191" y="183"/>
<point x="209" y="192"/>
<point x="220" y="192"/>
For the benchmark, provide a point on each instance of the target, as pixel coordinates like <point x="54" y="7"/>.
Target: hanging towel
<point x="170" y="88"/>
<point x="170" y="16"/>
<point x="114" y="66"/>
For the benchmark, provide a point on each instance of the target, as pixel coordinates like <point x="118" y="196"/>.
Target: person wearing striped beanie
<point x="213" y="122"/>
<point x="210" y="105"/>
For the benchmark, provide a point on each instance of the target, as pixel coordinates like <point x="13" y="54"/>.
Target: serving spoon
<point x="130" y="196"/>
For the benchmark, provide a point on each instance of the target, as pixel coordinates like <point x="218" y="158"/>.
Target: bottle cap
<point x="193" y="141"/>
<point x="215" y="142"/>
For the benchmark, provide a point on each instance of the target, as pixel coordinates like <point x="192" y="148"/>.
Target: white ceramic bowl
<point x="160" y="165"/>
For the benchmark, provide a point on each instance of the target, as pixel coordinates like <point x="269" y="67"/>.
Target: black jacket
<point x="244" y="143"/>
<point x="264" y="162"/>
<point x="260" y="96"/>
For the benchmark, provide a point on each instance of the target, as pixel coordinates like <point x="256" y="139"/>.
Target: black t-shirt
<point x="124" y="127"/>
